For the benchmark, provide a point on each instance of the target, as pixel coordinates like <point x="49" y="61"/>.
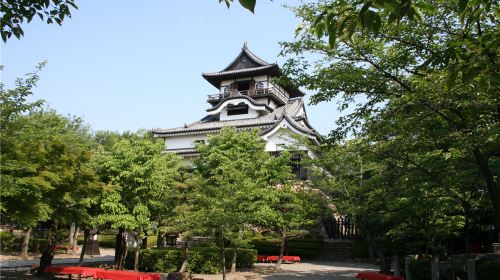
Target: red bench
<point x="372" y="275"/>
<point x="126" y="275"/>
<point x="275" y="258"/>
<point x="69" y="270"/>
<point x="261" y="258"/>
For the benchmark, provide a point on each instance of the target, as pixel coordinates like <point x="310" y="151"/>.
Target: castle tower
<point x="248" y="97"/>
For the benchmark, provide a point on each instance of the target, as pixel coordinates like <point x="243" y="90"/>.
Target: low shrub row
<point x="306" y="248"/>
<point x="108" y="240"/>
<point x="201" y="260"/>
<point x="12" y="242"/>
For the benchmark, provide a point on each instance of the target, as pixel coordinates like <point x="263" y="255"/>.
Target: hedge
<point x="108" y="240"/>
<point x="487" y="271"/>
<point x="201" y="260"/>
<point x="12" y="242"/>
<point x="359" y="249"/>
<point x="306" y="248"/>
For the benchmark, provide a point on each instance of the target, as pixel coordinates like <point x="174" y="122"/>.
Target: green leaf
<point x="332" y="34"/>
<point x="248" y="4"/>
<point x="365" y="7"/>
<point x="452" y="77"/>
<point x="462" y="4"/>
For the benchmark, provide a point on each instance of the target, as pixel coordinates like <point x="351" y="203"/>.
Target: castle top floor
<point x="249" y="75"/>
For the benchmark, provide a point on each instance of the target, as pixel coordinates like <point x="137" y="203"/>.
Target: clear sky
<point x="125" y="65"/>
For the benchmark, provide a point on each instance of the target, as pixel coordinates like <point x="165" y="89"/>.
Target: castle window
<point x="243" y="86"/>
<point x="239" y="109"/>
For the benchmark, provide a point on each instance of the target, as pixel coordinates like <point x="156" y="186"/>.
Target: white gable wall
<point x="183" y="141"/>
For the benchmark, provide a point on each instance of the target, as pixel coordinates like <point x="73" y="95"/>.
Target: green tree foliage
<point x="406" y="94"/>
<point x="46" y="173"/>
<point x="393" y="199"/>
<point x="289" y="211"/>
<point x="145" y="179"/>
<point x="233" y="173"/>
<point x="15" y="12"/>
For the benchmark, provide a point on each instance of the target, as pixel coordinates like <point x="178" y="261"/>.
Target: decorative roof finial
<point x="245" y="45"/>
<point x="185" y="126"/>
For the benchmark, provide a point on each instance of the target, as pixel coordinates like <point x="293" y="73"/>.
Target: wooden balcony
<point x="278" y="94"/>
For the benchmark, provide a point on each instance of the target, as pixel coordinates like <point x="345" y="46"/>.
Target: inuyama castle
<point x="247" y="97"/>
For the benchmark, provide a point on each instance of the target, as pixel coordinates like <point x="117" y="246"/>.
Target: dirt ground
<point x="304" y="270"/>
<point x="14" y="256"/>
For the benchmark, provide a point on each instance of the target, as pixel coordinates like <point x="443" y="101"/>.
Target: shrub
<point x="201" y="260"/>
<point x="420" y="269"/>
<point x="486" y="271"/>
<point x="359" y="249"/>
<point x="9" y="241"/>
<point x="306" y="248"/>
<point x="37" y="244"/>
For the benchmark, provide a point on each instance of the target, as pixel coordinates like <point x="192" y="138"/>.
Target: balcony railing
<point x="251" y="93"/>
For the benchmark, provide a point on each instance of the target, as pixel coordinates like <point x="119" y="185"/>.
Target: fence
<point x="340" y="228"/>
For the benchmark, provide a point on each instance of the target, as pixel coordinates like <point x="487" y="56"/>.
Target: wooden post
<point x="471" y="269"/>
<point x="395" y="265"/>
<point x="407" y="268"/>
<point x="435" y="268"/>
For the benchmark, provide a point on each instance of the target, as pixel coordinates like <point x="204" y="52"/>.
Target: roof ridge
<point x="238" y="70"/>
<point x="250" y="54"/>
<point x="254" y="56"/>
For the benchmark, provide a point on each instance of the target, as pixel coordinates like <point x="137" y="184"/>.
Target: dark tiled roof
<point x="246" y="63"/>
<point x="209" y="124"/>
<point x="245" y="53"/>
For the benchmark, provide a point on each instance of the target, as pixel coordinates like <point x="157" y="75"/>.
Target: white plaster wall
<point x="184" y="141"/>
<point x="282" y="139"/>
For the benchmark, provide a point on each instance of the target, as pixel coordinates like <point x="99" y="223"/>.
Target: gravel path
<point x="13" y="260"/>
<point x="315" y="270"/>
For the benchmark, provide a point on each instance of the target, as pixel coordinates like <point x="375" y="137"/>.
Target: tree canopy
<point x="15" y="12"/>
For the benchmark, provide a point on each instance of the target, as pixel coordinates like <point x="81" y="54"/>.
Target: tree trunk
<point x="493" y="188"/>
<point x="75" y="241"/>
<point x="71" y="233"/>
<point x="136" y="259"/>
<point x="159" y="240"/>
<point x="223" y="255"/>
<point x="25" y="244"/>
<point x="282" y="250"/>
<point x="385" y="266"/>
<point x="120" y="246"/>
<point x="233" y="262"/>
<point x="186" y="256"/>
<point x="123" y="257"/>
<point x="48" y="253"/>
<point x="84" y="245"/>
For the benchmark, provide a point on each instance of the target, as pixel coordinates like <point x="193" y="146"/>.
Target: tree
<point x="45" y="157"/>
<point x="13" y="104"/>
<point x="402" y="82"/>
<point x="15" y="12"/>
<point x="289" y="211"/>
<point x="144" y="176"/>
<point x="46" y="174"/>
<point x="392" y="199"/>
<point x="231" y="178"/>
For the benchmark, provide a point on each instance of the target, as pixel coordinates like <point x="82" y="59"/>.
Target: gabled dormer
<point x="248" y="75"/>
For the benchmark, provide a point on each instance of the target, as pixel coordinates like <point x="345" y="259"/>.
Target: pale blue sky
<point x="125" y="65"/>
